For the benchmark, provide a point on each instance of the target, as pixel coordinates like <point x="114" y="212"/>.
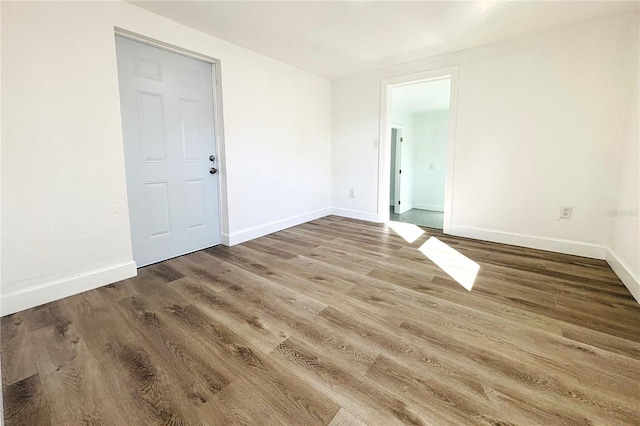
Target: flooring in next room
<point x="337" y="322"/>
<point x="428" y="218"/>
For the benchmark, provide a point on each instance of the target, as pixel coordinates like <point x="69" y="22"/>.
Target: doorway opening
<point x="417" y="160"/>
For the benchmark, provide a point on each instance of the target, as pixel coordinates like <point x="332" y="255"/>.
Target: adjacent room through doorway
<point x="419" y="134"/>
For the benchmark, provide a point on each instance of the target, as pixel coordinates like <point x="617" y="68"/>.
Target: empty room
<point x="320" y="213"/>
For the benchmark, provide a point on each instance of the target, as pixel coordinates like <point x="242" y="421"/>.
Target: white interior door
<point x="168" y="130"/>
<point x="397" y="167"/>
<point x="392" y="192"/>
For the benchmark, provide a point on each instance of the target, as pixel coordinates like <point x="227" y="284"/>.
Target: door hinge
<point x="401" y="139"/>
<point x="398" y="202"/>
<point x="400" y="171"/>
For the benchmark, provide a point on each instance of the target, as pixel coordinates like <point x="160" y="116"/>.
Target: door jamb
<point x="384" y="154"/>
<point x="218" y="118"/>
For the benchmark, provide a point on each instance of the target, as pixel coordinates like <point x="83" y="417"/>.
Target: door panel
<point x="168" y="131"/>
<point x="194" y="205"/>
<point x="151" y="126"/>
<point x="156" y="209"/>
<point x="187" y="78"/>
<point x="191" y="142"/>
<point x="147" y="68"/>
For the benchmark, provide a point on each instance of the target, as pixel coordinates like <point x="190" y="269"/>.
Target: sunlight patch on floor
<point x="458" y="266"/>
<point x="408" y="231"/>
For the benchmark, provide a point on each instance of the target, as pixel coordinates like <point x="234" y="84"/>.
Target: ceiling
<point x="421" y="97"/>
<point x="338" y="38"/>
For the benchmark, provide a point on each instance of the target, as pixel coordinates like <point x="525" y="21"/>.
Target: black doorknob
<point x="212" y="158"/>
<point x="213" y="170"/>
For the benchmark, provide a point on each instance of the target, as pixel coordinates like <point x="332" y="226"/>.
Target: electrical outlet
<point x="375" y="143"/>
<point x="565" y="212"/>
<point x="351" y="193"/>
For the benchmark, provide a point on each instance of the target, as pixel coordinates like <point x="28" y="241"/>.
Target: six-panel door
<point x="168" y="130"/>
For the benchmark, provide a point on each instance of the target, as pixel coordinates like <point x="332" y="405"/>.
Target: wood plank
<point x="24" y="403"/>
<point x="133" y="375"/>
<point x="17" y="352"/>
<point x="365" y="398"/>
<point x="296" y="400"/>
<point x="197" y="379"/>
<point x="345" y="418"/>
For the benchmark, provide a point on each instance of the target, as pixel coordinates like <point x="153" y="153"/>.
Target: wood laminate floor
<point x="337" y="322"/>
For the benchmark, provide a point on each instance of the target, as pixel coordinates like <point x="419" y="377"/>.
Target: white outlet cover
<point x="565" y="212"/>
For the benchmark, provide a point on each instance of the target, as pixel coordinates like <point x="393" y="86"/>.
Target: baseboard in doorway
<point x="428" y="207"/>
<point x="40" y="294"/>
<point x="275" y="226"/>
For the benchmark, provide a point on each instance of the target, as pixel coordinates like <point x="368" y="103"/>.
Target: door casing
<point x="384" y="148"/>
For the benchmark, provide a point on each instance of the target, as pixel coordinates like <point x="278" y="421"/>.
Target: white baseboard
<point x="355" y="214"/>
<point x="428" y="207"/>
<point x="406" y="208"/>
<point x="268" y="228"/>
<point x="576" y="248"/>
<point x="37" y="295"/>
<point x="626" y="275"/>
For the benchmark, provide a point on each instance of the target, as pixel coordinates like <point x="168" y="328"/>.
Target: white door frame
<point x="384" y="154"/>
<point x="218" y="122"/>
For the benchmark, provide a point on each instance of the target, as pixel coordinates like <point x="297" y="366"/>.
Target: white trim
<point x="275" y="226"/>
<point x="626" y="275"/>
<point x="356" y="214"/>
<point x="131" y="35"/>
<point x="40" y="294"/>
<point x="218" y="128"/>
<point x="576" y="248"/>
<point x="384" y="148"/>
<point x="428" y="207"/>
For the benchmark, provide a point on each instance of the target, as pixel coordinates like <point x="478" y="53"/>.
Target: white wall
<point x="64" y="208"/>
<point x="431" y="132"/>
<point x="624" y="241"/>
<point x="538" y="123"/>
